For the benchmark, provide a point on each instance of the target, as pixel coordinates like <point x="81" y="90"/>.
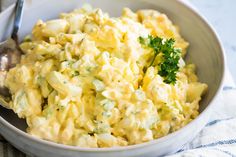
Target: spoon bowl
<point x="10" y="54"/>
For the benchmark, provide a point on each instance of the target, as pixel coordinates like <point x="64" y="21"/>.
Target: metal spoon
<point x="10" y="54"/>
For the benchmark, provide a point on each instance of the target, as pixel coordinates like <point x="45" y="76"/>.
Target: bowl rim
<point x="192" y="9"/>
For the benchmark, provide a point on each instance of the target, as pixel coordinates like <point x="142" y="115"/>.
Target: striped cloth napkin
<point x="218" y="138"/>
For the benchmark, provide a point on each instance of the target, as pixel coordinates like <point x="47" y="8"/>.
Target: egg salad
<point x="90" y="80"/>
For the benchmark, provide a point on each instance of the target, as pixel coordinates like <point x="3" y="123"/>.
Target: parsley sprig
<point x="168" y="67"/>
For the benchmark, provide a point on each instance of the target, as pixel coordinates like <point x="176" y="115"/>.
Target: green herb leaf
<point x="170" y="56"/>
<point x="75" y="73"/>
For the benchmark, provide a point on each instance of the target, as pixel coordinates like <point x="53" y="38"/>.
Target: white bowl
<point x="205" y="51"/>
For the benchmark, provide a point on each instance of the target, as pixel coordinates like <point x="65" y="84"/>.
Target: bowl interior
<point x="204" y="50"/>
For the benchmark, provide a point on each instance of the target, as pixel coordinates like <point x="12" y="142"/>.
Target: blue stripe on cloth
<point x="225" y="88"/>
<point x="217" y="121"/>
<point x="180" y="150"/>
<point x="226" y="152"/>
<point x="225" y="142"/>
<point x="223" y="151"/>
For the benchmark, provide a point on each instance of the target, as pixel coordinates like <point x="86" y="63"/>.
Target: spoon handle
<point x="17" y="20"/>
